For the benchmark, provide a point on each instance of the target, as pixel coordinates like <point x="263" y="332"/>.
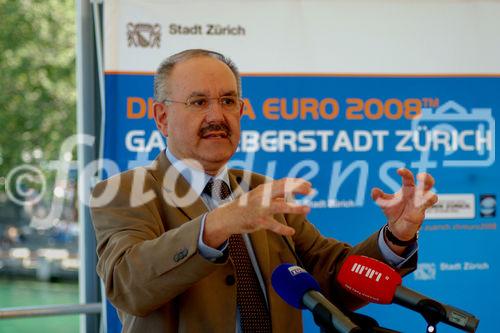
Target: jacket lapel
<point x="179" y="194"/>
<point x="261" y="248"/>
<point x="176" y="190"/>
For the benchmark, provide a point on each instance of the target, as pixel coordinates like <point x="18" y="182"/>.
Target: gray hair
<point x="165" y="69"/>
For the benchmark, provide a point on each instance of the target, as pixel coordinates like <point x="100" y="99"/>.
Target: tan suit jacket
<point x="157" y="279"/>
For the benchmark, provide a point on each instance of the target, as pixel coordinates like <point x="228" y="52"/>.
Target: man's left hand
<point x="405" y="209"/>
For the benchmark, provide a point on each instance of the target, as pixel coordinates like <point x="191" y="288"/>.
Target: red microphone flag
<point x="369" y="279"/>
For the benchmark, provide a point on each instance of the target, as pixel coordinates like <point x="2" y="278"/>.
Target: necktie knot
<point x="217" y="189"/>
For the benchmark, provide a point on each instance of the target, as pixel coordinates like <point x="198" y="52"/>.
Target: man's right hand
<point x="254" y="211"/>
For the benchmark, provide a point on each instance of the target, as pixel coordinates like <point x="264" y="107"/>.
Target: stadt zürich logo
<point x="143" y="35"/>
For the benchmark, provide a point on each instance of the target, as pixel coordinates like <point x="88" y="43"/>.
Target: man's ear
<point x="160" y="114"/>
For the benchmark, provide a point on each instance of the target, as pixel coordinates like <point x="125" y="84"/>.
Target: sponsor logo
<point x="296" y="270"/>
<point x="425" y="271"/>
<point x="143" y="35"/>
<point x="367" y="272"/>
<point x="464" y="266"/>
<point x="211" y="29"/>
<point x="488" y="205"/>
<point x="453" y="206"/>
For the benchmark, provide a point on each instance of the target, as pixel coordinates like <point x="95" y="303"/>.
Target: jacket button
<point x="181" y="255"/>
<point x="230" y="280"/>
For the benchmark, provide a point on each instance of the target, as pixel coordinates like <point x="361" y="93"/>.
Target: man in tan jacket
<point x="186" y="245"/>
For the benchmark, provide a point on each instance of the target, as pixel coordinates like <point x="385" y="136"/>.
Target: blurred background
<point x="38" y="255"/>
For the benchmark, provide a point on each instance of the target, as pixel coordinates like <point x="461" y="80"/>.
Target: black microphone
<point x="299" y="289"/>
<point x="434" y="311"/>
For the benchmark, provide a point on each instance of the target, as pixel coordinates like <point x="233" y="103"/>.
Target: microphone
<point x="299" y="289"/>
<point x="377" y="282"/>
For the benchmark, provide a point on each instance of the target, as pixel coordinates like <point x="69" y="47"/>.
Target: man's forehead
<point x="201" y="64"/>
<point x="201" y="75"/>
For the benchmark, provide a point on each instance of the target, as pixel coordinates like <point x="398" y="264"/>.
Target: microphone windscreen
<point x="292" y="282"/>
<point x="369" y="279"/>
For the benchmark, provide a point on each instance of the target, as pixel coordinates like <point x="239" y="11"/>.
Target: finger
<point x="279" y="228"/>
<point x="426" y="180"/>
<point x="383" y="199"/>
<point x="431" y="201"/>
<point x="406" y="177"/>
<point x="281" y="187"/>
<point x="296" y="186"/>
<point x="279" y="206"/>
<point x="379" y="194"/>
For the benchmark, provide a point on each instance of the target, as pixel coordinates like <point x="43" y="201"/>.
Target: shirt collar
<point x="196" y="178"/>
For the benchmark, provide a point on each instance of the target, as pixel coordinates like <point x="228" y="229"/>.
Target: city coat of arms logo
<point x="143" y="35"/>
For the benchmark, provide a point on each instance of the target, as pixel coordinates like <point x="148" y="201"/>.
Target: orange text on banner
<point x="300" y="108"/>
<point x="136" y="108"/>
<point x="375" y="108"/>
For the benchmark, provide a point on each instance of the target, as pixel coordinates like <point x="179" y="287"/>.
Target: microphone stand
<point x="368" y="324"/>
<point x="323" y="318"/>
<point x="328" y="317"/>
<point x="432" y="311"/>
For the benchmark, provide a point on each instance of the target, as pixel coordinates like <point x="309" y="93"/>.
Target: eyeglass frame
<point x="187" y="104"/>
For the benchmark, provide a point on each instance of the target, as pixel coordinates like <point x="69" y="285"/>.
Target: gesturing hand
<point x="254" y="211"/>
<point x="405" y="209"/>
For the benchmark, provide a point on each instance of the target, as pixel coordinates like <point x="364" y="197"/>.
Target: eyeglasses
<point x="202" y="103"/>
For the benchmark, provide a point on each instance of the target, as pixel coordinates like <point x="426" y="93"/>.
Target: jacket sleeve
<point x="143" y="266"/>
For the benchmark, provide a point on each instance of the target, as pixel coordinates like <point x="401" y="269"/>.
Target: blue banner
<point x="348" y="134"/>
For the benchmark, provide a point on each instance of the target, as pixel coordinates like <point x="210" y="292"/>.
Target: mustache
<point x="215" y="127"/>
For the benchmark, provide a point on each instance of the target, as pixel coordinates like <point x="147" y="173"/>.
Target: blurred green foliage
<point x="37" y="80"/>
